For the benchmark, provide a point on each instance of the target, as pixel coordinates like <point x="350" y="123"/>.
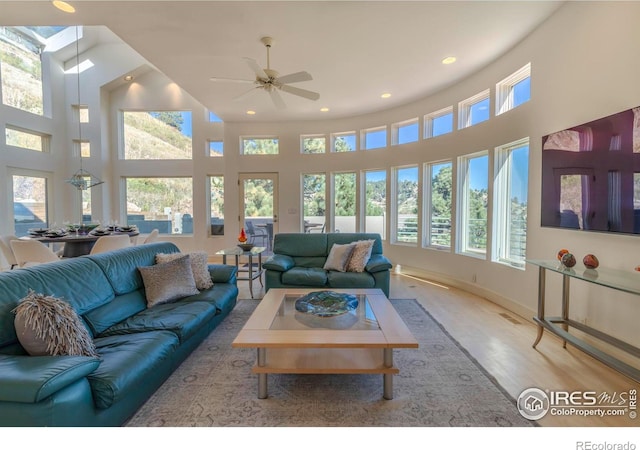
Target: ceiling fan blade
<point x="256" y="68"/>
<point x="300" y="92"/>
<point x="277" y="99"/>
<point x="294" y="78"/>
<point x="232" y="80"/>
<point x="247" y="94"/>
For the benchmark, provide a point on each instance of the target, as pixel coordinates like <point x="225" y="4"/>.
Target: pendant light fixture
<point x="82" y="179"/>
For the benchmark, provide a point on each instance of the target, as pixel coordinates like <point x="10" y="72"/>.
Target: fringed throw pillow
<point x="360" y="255"/>
<point x="48" y="326"/>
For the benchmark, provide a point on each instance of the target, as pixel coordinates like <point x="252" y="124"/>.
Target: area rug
<point x="439" y="385"/>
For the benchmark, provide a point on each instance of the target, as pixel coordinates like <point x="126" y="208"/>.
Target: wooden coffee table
<point x="356" y="342"/>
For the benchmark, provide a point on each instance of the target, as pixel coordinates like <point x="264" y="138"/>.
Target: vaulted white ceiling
<point x="355" y="50"/>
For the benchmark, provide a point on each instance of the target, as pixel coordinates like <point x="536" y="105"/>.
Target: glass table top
<point x="359" y="318"/>
<point x="239" y="251"/>
<point x="626" y="281"/>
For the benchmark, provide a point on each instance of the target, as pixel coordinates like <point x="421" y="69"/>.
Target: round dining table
<point x="77" y="244"/>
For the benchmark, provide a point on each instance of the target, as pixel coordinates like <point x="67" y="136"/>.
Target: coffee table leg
<point x="262" y="377"/>
<point x="387" y="381"/>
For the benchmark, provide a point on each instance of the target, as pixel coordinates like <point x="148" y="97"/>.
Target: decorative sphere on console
<point x="568" y="260"/>
<point x="561" y="253"/>
<point x="590" y="261"/>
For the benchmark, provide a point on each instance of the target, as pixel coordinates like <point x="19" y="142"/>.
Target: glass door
<point x="259" y="206"/>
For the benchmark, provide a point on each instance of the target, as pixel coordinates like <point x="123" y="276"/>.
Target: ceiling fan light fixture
<point x="63" y="6"/>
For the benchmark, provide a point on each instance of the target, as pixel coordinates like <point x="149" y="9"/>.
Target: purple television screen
<point x="591" y="175"/>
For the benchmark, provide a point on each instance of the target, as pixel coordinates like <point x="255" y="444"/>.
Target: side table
<point x="252" y="273"/>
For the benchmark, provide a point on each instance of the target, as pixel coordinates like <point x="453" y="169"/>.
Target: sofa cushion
<point x="128" y="363"/>
<point x="169" y="281"/>
<point x="378" y="263"/>
<point x="46" y="325"/>
<point x="339" y="257"/>
<point x="182" y="318"/>
<point x="301" y="276"/>
<point x="350" y="280"/>
<point x="280" y="263"/>
<point x="117" y="310"/>
<point x="301" y="244"/>
<point x="199" y="266"/>
<point x="30" y="379"/>
<point x="222" y="295"/>
<point x="121" y="266"/>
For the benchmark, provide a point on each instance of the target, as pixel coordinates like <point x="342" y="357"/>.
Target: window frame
<point x="123" y="150"/>
<point x="502" y="222"/>
<point x="333" y="203"/>
<point x="505" y="88"/>
<point x="368" y="131"/>
<point x="243" y="140"/>
<point x="427" y="232"/>
<point x="396" y="127"/>
<point x="341" y="134"/>
<point x="462" y="202"/>
<point x="394" y="205"/>
<point x="465" y="116"/>
<point x="304" y="137"/>
<point x="45" y="139"/>
<point x="365" y="201"/>
<point x="431" y="117"/>
<point x="209" y="207"/>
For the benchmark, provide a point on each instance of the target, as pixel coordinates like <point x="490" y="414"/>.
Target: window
<point x="473" y="175"/>
<point x="30" y="203"/>
<point x="28" y="140"/>
<point x="405" y="132"/>
<point x="474" y="110"/>
<point x="259" y="146"/>
<point x="82" y="148"/>
<point x="216" y="148"/>
<point x="406" y="205"/>
<point x="314" y="194"/>
<point x="374" y="138"/>
<point x="510" y="203"/>
<point x="313" y="144"/>
<point x="438" y="123"/>
<point x="21" y="70"/>
<point x="438" y="192"/>
<point x="157" y="135"/>
<point x="214" y="118"/>
<point x="514" y="90"/>
<point x="344" y="142"/>
<point x="216" y="196"/>
<point x="375" y="188"/>
<point x="162" y="203"/>
<point x="344" y="201"/>
<point x="81" y="113"/>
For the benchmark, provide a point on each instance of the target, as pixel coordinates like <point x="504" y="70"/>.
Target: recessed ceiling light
<point x="128" y="78"/>
<point x="251" y="112"/>
<point x="386" y="95"/>
<point x="64" y="6"/>
<point x="324" y="109"/>
<point x="449" y="60"/>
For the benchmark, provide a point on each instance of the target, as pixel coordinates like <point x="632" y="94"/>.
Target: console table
<point x="614" y="279"/>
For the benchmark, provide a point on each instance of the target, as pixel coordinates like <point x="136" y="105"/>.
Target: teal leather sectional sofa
<point x="139" y="347"/>
<point x="298" y="260"/>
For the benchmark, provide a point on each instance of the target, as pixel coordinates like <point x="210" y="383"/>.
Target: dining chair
<point x="31" y="252"/>
<point x="111" y="242"/>
<point x="152" y="237"/>
<point x="5" y="246"/>
<point x="254" y="233"/>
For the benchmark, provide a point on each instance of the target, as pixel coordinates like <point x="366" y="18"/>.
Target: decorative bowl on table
<point x="245" y="247"/>
<point x="100" y="232"/>
<point x="55" y="233"/>
<point x="326" y="303"/>
<point x="38" y="231"/>
<point x="125" y="228"/>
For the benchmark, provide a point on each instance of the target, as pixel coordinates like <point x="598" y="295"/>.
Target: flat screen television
<point x="591" y="175"/>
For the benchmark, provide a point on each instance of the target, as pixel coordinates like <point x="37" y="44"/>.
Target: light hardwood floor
<point x="502" y="342"/>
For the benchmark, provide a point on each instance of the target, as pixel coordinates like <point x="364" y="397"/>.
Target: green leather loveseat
<point x="298" y="260"/>
<point x="138" y="347"/>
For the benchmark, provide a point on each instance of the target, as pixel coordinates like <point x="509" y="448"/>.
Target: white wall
<point x="584" y="67"/>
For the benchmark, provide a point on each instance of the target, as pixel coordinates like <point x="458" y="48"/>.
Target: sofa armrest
<point x="223" y="273"/>
<point x="280" y="263"/>
<point x="30" y="379"/>
<point x="378" y="263"/>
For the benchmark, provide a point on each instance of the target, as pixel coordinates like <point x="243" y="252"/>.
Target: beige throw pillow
<point x="360" y="255"/>
<point x="338" y="257"/>
<point x="48" y="326"/>
<point x="166" y="282"/>
<point x="199" y="266"/>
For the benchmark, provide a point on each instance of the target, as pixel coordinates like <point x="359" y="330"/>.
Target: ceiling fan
<point x="270" y="80"/>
